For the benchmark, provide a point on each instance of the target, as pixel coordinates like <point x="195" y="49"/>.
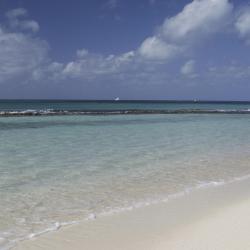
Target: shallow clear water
<point x="62" y="169"/>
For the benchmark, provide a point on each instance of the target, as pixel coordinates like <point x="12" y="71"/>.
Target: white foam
<point x="186" y="191"/>
<point x="92" y="216"/>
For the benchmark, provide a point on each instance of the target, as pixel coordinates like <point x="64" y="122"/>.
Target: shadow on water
<point x="114" y="122"/>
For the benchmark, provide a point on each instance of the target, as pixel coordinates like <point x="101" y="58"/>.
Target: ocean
<point x="58" y="169"/>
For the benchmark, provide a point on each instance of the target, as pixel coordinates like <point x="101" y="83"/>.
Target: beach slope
<point x="209" y="218"/>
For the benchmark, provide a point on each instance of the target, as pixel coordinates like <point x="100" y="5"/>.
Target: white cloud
<point x="172" y="39"/>
<point x="230" y="71"/>
<point x="242" y="24"/>
<point x="29" y="25"/>
<point x="81" y="53"/>
<point x="15" y="13"/>
<point x="21" y="54"/>
<point x="156" y="49"/>
<point x="15" y="20"/>
<point x="89" y="65"/>
<point x="199" y="18"/>
<point x="25" y="55"/>
<point x="48" y="71"/>
<point x="188" y="68"/>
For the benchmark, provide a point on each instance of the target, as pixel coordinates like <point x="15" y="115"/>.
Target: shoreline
<point x="170" y="225"/>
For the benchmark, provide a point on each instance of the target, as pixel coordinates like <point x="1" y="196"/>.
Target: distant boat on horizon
<point x="117" y="99"/>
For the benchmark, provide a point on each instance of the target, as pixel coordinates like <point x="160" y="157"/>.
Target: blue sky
<point x="145" y="49"/>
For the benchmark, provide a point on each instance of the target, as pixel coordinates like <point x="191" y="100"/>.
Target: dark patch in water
<point x="118" y="112"/>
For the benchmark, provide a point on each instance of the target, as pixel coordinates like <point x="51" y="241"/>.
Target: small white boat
<point x="117" y="99"/>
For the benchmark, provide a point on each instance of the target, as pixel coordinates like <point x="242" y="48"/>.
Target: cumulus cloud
<point x="93" y="65"/>
<point x="242" y="24"/>
<point x="16" y="16"/>
<point x="156" y="48"/>
<point x="82" y="53"/>
<point x="21" y="54"/>
<point x="200" y="17"/>
<point x="24" y="57"/>
<point x="51" y="71"/>
<point x="24" y="54"/>
<point x="15" y="13"/>
<point x="197" y="19"/>
<point x="188" y="69"/>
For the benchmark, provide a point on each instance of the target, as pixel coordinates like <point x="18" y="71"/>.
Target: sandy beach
<point x="209" y="218"/>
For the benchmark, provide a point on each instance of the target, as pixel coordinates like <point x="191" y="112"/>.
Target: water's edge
<point x="59" y="226"/>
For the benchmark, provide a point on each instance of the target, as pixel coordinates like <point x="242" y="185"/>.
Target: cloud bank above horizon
<point x="172" y="58"/>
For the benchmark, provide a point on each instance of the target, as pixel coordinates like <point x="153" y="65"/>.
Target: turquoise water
<point x="61" y="169"/>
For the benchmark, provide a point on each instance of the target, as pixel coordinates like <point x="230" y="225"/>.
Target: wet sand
<point x="209" y="218"/>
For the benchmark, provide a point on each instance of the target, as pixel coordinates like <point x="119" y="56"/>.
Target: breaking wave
<point x="52" y="112"/>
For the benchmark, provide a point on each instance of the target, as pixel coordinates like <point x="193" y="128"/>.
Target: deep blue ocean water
<point x="22" y="105"/>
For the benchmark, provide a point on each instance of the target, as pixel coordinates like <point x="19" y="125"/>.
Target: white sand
<point x="215" y="218"/>
<point x="229" y="229"/>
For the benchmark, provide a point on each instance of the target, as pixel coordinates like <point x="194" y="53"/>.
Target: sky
<point x="144" y="49"/>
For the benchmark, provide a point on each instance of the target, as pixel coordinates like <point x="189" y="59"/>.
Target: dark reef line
<point x="117" y="112"/>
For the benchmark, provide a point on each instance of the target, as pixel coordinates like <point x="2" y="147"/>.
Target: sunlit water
<point x="56" y="170"/>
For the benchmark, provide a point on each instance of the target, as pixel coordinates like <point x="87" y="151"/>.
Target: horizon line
<point x="123" y="100"/>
